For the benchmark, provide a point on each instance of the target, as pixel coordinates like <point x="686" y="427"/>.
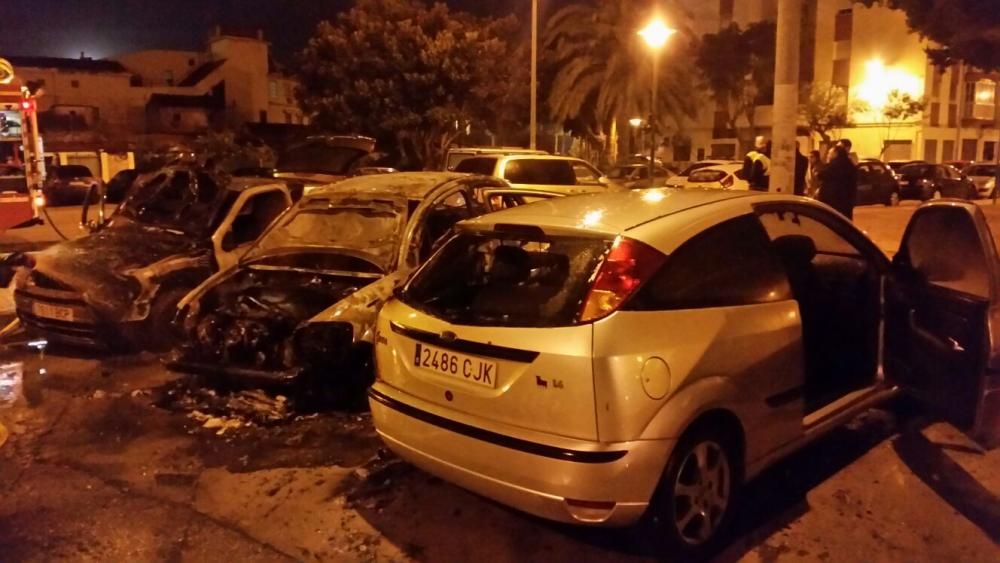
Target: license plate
<point x="52" y="312"/>
<point x="459" y="366"/>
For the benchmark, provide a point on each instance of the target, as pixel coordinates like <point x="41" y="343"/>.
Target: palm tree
<point x="601" y="70"/>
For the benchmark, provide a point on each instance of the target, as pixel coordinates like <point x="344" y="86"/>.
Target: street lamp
<point x="635" y="122"/>
<point x="655" y="34"/>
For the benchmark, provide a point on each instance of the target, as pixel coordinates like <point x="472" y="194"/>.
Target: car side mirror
<point x="229" y="242"/>
<point x="93" y="193"/>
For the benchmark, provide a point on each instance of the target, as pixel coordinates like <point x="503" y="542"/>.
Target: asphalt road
<point x="109" y="459"/>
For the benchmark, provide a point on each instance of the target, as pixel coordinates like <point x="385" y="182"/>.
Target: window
<point x="272" y="89"/>
<point x="930" y="150"/>
<point x="948" y="150"/>
<point x="936" y="77"/>
<point x="843" y="26"/>
<point x="944" y="248"/>
<point x="708" y="175"/>
<point x="74" y="83"/>
<point x="540" y="172"/>
<point x="952" y="115"/>
<point x="981" y="100"/>
<point x="990" y="151"/>
<point x="726" y="265"/>
<point x="935" y="114"/>
<point x="263" y="116"/>
<point x="842" y="73"/>
<point x="585" y="174"/>
<point x="969" y="149"/>
<point x="780" y="224"/>
<point x="255" y="217"/>
<point x="477" y="165"/>
<point x="682" y="150"/>
<point x="701" y="154"/>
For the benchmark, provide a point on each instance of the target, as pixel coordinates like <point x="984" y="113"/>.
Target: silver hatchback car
<point x="637" y="356"/>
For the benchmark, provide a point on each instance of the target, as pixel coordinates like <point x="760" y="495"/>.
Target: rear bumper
<point x="556" y="478"/>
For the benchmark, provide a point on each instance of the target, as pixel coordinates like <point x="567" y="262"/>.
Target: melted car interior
<point x="837" y="286"/>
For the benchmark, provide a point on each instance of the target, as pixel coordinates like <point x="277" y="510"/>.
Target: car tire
<point x="892" y="200"/>
<point x="158" y="334"/>
<point x="691" y="512"/>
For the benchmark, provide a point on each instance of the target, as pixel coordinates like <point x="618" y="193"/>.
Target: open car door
<point x="941" y="308"/>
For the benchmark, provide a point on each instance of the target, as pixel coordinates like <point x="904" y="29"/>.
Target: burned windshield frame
<point x="196" y="207"/>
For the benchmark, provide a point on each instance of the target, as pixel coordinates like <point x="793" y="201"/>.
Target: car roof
<point x="541" y="157"/>
<point x="412" y="185"/>
<point x="492" y="151"/>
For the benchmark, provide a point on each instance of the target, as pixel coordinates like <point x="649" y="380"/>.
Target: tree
<point x="601" y="70"/>
<point x="963" y="30"/>
<point x="824" y="109"/>
<point x="226" y="150"/>
<point x="412" y="75"/>
<point x="899" y="107"/>
<point x="738" y="68"/>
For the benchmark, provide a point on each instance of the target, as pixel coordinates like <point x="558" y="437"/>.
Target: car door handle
<point x="949" y="343"/>
<point x="955" y="346"/>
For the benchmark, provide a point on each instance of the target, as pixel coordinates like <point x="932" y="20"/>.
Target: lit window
<point x="984" y="104"/>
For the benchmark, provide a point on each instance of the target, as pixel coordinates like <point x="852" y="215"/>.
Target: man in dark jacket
<point x="801" y="167"/>
<point x="839" y="181"/>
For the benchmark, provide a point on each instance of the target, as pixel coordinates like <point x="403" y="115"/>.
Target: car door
<point x="866" y="187"/>
<point x="941" y="303"/>
<point x="251" y="214"/>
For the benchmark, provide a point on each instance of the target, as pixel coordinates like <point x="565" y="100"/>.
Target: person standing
<point x="849" y="147"/>
<point x="801" y="167"/>
<point x="839" y="180"/>
<point x="757" y="165"/>
<point x="815" y="167"/>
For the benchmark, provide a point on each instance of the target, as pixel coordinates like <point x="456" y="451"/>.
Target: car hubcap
<point x="701" y="493"/>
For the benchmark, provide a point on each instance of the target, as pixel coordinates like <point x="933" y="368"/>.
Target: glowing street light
<point x="655" y="34"/>
<point x="635" y="121"/>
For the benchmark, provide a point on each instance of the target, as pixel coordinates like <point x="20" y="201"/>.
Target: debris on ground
<point x="259" y="406"/>
<point x="370" y="486"/>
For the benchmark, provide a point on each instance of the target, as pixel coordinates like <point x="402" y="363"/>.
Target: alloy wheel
<point x="702" y="492"/>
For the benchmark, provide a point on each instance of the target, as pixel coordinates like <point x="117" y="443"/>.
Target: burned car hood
<point x="99" y="265"/>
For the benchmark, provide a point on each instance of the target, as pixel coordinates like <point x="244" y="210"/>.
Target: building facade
<point x="874" y="57"/>
<point x="158" y="98"/>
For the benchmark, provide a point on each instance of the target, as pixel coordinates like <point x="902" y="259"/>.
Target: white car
<point x="983" y="176"/>
<point x="719" y="176"/>
<point x="558" y="174"/>
<point x="638" y="356"/>
<point x="678" y="180"/>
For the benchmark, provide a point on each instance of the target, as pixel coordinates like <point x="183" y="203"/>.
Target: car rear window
<point x="981" y="170"/>
<point x="703" y="176"/>
<point x="507" y="279"/>
<point x="540" y="172"/>
<point x="695" y="166"/>
<point x="477" y="165"/>
<point x="916" y="170"/>
<point x="73" y="171"/>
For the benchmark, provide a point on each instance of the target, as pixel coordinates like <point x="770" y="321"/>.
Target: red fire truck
<point x="22" y="166"/>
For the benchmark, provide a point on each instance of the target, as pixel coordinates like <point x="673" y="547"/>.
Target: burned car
<point x="119" y="286"/>
<point x="302" y="303"/>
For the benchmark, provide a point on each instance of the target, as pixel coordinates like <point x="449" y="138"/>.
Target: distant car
<point x="638" y="356"/>
<point x="876" y="184"/>
<point x="458" y="154"/>
<point x="561" y="174"/>
<point x="69" y="184"/>
<point x="896" y="165"/>
<point x="958" y="164"/>
<point x="636" y="175"/>
<point x="120" y="184"/>
<point x="719" y="176"/>
<point x="933" y="181"/>
<point x="983" y="176"/>
<point x="678" y="180"/>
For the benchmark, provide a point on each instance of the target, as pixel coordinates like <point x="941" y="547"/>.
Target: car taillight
<point x="627" y="265"/>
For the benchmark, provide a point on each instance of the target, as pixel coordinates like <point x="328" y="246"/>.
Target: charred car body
<point x="305" y="298"/>
<point x="119" y="286"/>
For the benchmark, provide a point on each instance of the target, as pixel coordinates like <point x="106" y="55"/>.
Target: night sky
<point x="104" y="28"/>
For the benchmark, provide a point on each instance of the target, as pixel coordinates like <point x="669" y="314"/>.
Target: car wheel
<point x="157" y="331"/>
<point x="691" y="511"/>
<point x="893" y="199"/>
<point x="936" y="194"/>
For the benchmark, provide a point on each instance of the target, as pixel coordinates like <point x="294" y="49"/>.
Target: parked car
<point x="679" y="180"/>
<point x="896" y="165"/>
<point x="562" y="174"/>
<point x="718" y="176"/>
<point x="120" y="184"/>
<point x="69" y="184"/>
<point x="520" y="363"/>
<point x="876" y="184"/>
<point x="636" y="175"/>
<point x="320" y="160"/>
<point x="983" y="176"/>
<point x="301" y="304"/>
<point x="933" y="181"/>
<point x="119" y="286"/>
<point x="458" y="154"/>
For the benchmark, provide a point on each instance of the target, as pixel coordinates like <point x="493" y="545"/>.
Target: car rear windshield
<point x="981" y="170"/>
<point x="73" y="171"/>
<point x="477" y="165"/>
<point x="705" y="176"/>
<point x="513" y="280"/>
<point x="916" y="170"/>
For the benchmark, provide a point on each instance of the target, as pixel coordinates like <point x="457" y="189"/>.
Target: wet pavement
<point x="114" y="459"/>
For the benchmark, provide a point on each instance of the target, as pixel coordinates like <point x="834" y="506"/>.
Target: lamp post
<point x="655" y="34"/>
<point x="635" y="122"/>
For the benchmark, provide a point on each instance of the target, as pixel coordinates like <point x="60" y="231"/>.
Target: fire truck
<point x="22" y="164"/>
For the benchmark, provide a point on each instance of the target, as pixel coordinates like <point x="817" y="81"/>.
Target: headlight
<point x="323" y="344"/>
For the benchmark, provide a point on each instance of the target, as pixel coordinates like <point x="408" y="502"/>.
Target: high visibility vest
<point x="763" y="159"/>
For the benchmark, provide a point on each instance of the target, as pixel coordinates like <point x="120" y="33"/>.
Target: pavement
<point x="112" y="459"/>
